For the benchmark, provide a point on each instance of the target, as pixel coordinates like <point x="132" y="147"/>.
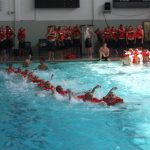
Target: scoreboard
<point x="57" y="4"/>
<point x="131" y="3"/>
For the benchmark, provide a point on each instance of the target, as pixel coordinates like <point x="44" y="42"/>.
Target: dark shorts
<point x="65" y="44"/>
<point x="139" y="43"/>
<point x="130" y="44"/>
<point x="1" y="46"/>
<point x="9" y="43"/>
<point x="51" y="45"/>
<point x="105" y="58"/>
<point x="68" y="43"/>
<point x="21" y="45"/>
<point x="61" y="45"/>
<point x="88" y="43"/>
<point x="113" y="44"/>
<point x="76" y="43"/>
<point x="121" y="44"/>
<point x="109" y="43"/>
<point x="57" y="45"/>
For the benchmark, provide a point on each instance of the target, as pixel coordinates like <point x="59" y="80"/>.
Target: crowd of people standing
<point x="119" y="39"/>
<point x="7" y="39"/>
<point x="66" y="41"/>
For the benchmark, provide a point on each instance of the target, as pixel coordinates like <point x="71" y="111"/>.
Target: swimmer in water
<point x="42" y="65"/>
<point x="87" y="96"/>
<point x="18" y="70"/>
<point x="10" y="69"/>
<point x="111" y="98"/>
<point x="27" y="62"/>
<point x="25" y="73"/>
<point x="59" y="89"/>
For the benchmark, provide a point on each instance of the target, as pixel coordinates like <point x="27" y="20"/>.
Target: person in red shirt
<point x="25" y="73"/>
<point x="60" y="42"/>
<point x="10" y="69"/>
<point x="139" y="37"/>
<point x="111" y="99"/>
<point x="35" y="79"/>
<point x="47" y="86"/>
<point x="21" y="39"/>
<point x="68" y="40"/>
<point x="121" y="40"/>
<point x="89" y="96"/>
<point x="107" y="35"/>
<point x="77" y="40"/>
<point x="113" y="41"/>
<point x="59" y="89"/>
<point x="9" y="40"/>
<point x="66" y="44"/>
<point x="146" y="55"/>
<point x="130" y="37"/>
<point x="99" y="33"/>
<point x="18" y="70"/>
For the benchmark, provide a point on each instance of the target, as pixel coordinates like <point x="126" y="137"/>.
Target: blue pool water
<point x="42" y="122"/>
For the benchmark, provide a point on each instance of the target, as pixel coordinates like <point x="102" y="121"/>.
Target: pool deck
<point x="35" y="60"/>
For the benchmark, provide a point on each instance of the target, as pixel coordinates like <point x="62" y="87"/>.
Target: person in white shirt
<point x="88" y="42"/>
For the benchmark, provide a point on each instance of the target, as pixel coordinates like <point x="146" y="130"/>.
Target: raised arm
<point x="111" y="90"/>
<point x="69" y="94"/>
<point x="93" y="90"/>
<point x="51" y="77"/>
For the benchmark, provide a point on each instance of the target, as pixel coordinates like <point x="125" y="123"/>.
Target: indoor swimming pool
<point x="31" y="119"/>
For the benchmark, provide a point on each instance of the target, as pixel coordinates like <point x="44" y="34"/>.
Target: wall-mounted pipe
<point x="14" y="22"/>
<point x="93" y="18"/>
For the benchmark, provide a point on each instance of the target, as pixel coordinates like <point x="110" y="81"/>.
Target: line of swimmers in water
<point x="136" y="56"/>
<point x="109" y="100"/>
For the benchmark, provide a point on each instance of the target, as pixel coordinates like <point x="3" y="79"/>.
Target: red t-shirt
<point x="63" y="93"/>
<point x="93" y="100"/>
<point x="21" y="35"/>
<point x="113" y="102"/>
<point x="9" y="33"/>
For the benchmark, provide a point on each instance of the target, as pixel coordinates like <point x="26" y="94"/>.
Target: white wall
<point x="5" y="7"/>
<point x="25" y="11"/>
